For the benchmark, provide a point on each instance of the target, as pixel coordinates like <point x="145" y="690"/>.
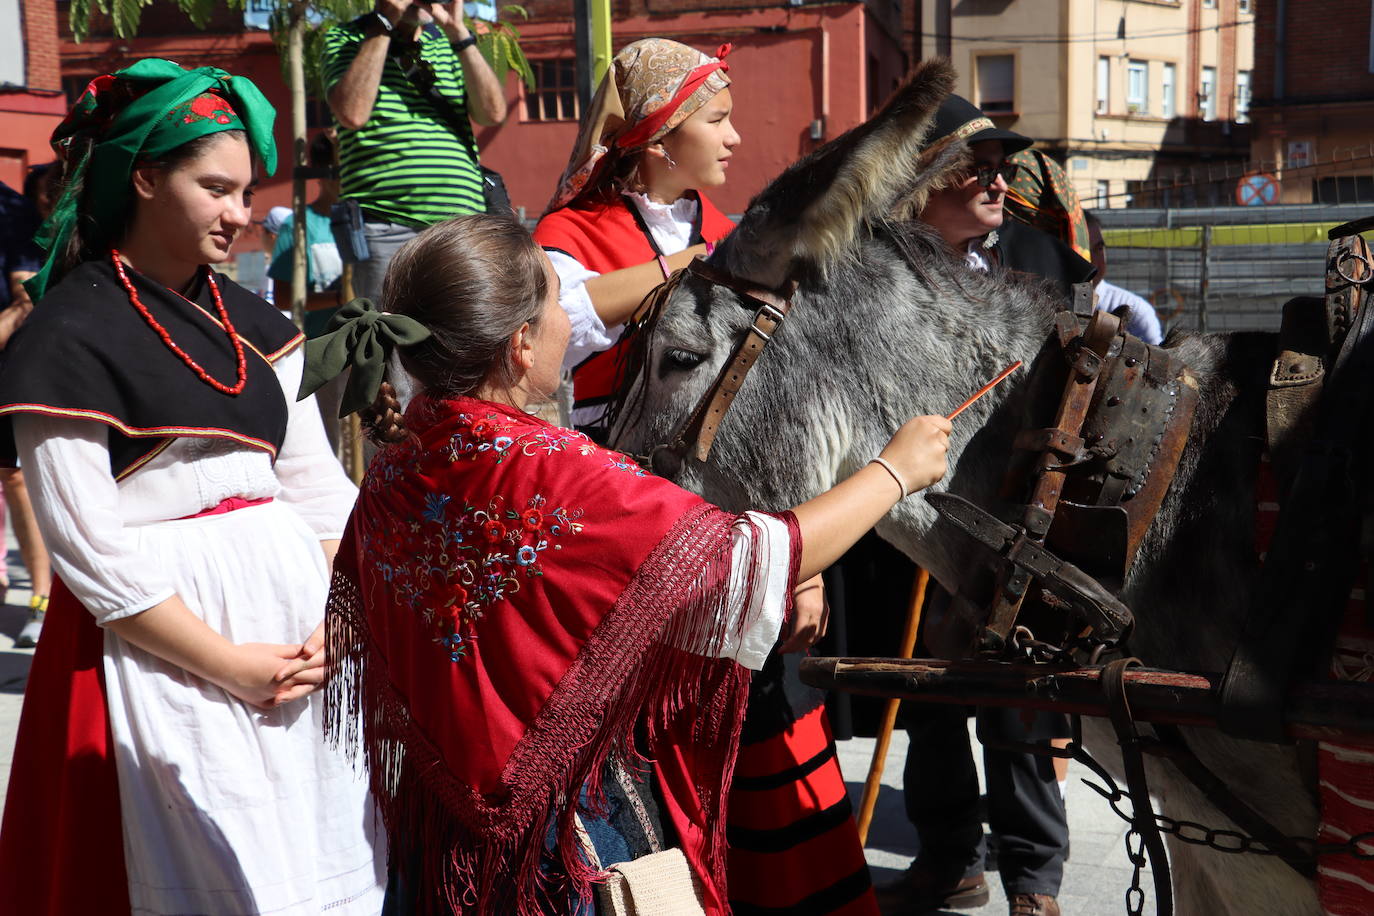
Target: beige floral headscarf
<point x="652" y="86"/>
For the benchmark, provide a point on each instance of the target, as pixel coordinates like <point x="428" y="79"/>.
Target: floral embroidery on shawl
<point x="480" y="553"/>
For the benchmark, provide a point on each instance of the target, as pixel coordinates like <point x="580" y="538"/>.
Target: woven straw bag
<point x="659" y="884"/>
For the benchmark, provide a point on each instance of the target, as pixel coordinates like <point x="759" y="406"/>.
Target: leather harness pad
<point x="1121" y="461"/>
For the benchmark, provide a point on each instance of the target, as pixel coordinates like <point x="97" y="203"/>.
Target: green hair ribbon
<point x="360" y="337"/>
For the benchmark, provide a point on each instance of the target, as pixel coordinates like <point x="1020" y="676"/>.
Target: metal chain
<point x="1232" y="841"/>
<point x="1135" y="852"/>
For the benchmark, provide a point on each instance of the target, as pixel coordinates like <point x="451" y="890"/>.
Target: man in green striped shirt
<point x="409" y="159"/>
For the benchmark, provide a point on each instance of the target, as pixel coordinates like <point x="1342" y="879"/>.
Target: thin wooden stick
<point x="985" y="389"/>
<point x="875" y="768"/>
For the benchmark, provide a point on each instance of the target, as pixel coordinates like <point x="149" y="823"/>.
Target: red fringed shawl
<point x="510" y="601"/>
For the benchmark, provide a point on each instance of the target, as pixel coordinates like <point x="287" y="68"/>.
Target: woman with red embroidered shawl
<point x="629" y="208"/>
<point x="169" y="757"/>
<point x="539" y="646"/>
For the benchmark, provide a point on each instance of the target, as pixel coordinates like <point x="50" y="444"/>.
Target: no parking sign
<point x="1257" y="190"/>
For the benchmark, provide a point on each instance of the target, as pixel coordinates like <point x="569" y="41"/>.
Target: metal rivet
<point x="1130" y="362"/>
<point x="1113" y="401"/>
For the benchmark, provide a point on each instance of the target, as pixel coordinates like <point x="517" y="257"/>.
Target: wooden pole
<point x="875" y="767"/>
<point x="295" y="56"/>
<point x="350" y="428"/>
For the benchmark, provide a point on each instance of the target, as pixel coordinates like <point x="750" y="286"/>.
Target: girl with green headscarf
<point x="169" y="756"/>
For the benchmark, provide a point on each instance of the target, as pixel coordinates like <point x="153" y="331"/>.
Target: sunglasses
<point x="986" y="175"/>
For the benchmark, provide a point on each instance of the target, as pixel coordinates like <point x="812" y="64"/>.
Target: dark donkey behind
<point x="888" y="324"/>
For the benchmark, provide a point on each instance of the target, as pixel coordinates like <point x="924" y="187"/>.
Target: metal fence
<point x="1222" y="268"/>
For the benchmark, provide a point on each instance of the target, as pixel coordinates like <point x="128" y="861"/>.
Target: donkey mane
<point x="864" y="174"/>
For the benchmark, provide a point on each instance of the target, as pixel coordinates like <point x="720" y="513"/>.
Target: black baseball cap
<point x="960" y="119"/>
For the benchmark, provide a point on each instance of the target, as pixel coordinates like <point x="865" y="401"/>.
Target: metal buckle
<point x="771" y="311"/>
<point x="1348" y="256"/>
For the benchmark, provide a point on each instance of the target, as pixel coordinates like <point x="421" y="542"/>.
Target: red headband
<point x="645" y="129"/>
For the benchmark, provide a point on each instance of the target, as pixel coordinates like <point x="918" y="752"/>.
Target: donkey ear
<point x="813" y="212"/>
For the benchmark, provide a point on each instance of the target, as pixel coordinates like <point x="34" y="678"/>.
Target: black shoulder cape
<point x="86" y="352"/>
<point x="1026" y="249"/>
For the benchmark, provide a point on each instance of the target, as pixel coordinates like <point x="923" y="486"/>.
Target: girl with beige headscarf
<point x="629" y="207"/>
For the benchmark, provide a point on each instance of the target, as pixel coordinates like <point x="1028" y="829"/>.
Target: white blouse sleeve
<point x="761" y="551"/>
<point x="76" y="501"/>
<point x="589" y="334"/>
<point x="312" y="480"/>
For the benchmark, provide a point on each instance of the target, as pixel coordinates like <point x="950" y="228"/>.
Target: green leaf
<point x="126" y="14"/>
<point x="198" y="11"/>
<point x="79" y="18"/>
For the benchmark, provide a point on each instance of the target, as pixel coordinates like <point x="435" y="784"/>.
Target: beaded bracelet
<point x="895" y="476"/>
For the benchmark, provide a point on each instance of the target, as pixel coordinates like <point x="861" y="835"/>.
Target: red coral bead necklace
<point x="240" y="361"/>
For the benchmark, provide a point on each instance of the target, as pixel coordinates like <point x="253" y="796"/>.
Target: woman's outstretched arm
<point x="832" y="522"/>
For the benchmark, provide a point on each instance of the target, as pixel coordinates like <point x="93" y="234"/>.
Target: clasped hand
<point x="269" y="675"/>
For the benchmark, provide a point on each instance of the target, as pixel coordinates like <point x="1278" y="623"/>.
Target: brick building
<point x="803" y="73"/>
<point x="1144" y="101"/>
<point x="1314" y="98"/>
<point x="31" y="98"/>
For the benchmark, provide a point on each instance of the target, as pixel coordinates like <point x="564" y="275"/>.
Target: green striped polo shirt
<point x="405" y="163"/>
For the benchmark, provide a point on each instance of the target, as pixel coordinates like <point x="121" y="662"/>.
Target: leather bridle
<point x="698" y="432"/>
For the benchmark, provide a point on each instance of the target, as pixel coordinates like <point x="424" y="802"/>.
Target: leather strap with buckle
<point x="701" y="428"/>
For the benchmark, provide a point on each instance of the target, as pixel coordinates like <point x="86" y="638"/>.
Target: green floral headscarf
<point x="1041" y="195"/>
<point x="140" y="114"/>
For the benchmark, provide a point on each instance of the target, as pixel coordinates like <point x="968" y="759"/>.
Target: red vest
<point x="606" y="235"/>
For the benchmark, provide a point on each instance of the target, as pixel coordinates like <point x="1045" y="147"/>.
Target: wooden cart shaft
<point x="1326" y="711"/>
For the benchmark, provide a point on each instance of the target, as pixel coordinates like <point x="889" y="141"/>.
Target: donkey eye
<point x="682" y="359"/>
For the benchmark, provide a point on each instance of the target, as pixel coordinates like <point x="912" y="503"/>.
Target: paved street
<point x="1095" y="879"/>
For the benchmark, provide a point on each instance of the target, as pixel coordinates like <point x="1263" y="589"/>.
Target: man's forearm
<point x="352" y="98"/>
<point x="486" y="98"/>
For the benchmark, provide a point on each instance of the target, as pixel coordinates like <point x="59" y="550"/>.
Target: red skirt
<point x="61" y="843"/>
<point x="794" y="846"/>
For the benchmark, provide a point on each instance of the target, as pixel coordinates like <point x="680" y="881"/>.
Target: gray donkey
<point x="887" y="324"/>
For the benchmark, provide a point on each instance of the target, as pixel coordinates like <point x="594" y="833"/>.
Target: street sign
<point x="1257" y="190"/>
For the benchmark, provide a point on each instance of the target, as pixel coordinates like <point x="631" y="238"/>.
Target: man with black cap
<point x="1025" y="807"/>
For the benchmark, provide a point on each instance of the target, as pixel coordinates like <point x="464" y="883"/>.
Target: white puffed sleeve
<point x="76" y="501"/>
<point x="589" y="335"/>
<point x="312" y="481"/>
<point x="761" y="552"/>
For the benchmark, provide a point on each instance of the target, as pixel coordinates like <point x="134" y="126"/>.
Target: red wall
<point x="29" y="114"/>
<point x="788" y="68"/>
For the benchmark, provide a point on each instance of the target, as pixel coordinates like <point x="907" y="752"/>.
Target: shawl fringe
<point x="483" y="854"/>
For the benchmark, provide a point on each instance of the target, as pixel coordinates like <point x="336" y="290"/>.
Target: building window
<point x="1244" y="6"/>
<point x="997" y="83"/>
<point x="554" y="97"/>
<point x="1344" y="189"/>
<point x="1242" y="96"/>
<point x="1104" y="83"/>
<point x="1166" y="102"/>
<point x="1209" y="4"/>
<point x="1104" y="193"/>
<point x="1138" y="87"/>
<point x="1207" y="94"/>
